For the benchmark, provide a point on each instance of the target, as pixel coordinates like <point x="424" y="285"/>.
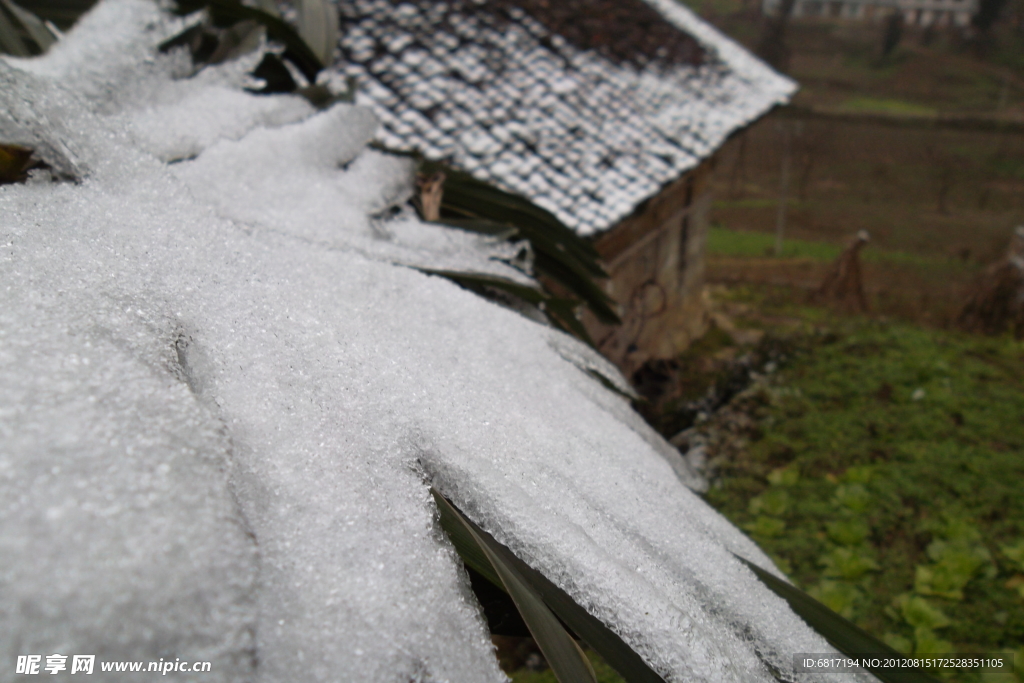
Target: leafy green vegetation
<point x="1006" y="166"/>
<point x="885" y="477"/>
<point x="604" y="673"/>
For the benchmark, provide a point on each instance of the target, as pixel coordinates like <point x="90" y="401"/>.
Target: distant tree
<point x="772" y="45"/>
<point x="808" y="148"/>
<point x="988" y="13"/>
<point x="893" y="33"/>
<point x="738" y="175"/>
<point x="929" y="35"/>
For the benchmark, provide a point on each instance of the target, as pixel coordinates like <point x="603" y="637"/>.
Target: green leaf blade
<point x="228" y="11"/>
<point x="318" y="27"/>
<point x="603" y="640"/>
<point x="559" y="252"/>
<point x="14" y="160"/>
<point x="36" y="29"/>
<point x="562" y="312"/>
<point x="564" y="656"/>
<point x="478" y="281"/>
<point x="590" y="629"/>
<point x="465" y="544"/>
<point x="840" y="633"/>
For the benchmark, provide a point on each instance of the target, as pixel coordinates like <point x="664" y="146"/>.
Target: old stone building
<point x="605" y="112"/>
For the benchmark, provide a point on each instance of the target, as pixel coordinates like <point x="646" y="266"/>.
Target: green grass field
<point x="886" y="477"/>
<point x="734" y="243"/>
<point x="887" y="106"/>
<point x="737" y="244"/>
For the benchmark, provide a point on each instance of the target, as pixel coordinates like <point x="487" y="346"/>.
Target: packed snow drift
<point x="225" y="390"/>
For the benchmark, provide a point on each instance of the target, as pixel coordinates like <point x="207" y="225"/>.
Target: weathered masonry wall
<point x="655" y="259"/>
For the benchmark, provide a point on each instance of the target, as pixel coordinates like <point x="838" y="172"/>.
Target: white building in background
<point x="915" y="12"/>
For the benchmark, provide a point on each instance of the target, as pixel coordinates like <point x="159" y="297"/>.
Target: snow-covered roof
<point x="224" y="393"/>
<point x="587" y="107"/>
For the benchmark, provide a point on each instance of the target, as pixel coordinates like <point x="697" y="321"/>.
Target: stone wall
<point x="655" y="259"/>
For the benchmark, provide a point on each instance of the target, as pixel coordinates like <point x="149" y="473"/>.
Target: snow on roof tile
<point x="538" y="99"/>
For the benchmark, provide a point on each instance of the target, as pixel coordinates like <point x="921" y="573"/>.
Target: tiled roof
<point x="587" y="119"/>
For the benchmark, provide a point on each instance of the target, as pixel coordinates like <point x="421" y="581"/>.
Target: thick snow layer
<point x="224" y="394"/>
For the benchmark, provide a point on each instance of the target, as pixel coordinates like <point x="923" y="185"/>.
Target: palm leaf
<point x="464" y="193"/>
<point x="603" y="640"/>
<point x="565" y="657"/>
<point x="275" y="75"/>
<point x="229" y="12"/>
<point x="590" y="629"/>
<point x="567" y="274"/>
<point x="482" y="226"/>
<point x="843" y="635"/>
<point x="318" y="27"/>
<point x="57" y="15"/>
<point x="513" y="202"/>
<point x="14" y="161"/>
<point x="562" y="312"/>
<point x="268" y="6"/>
<point x="560" y="254"/>
<point x="477" y="282"/>
<point x="12" y="40"/>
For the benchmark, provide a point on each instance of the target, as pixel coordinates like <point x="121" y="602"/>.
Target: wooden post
<point x="431" y="194"/>
<point x="1004" y="92"/>
<point x="780" y="216"/>
<point x="997" y="304"/>
<point x="738" y="167"/>
<point x="844" y="284"/>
